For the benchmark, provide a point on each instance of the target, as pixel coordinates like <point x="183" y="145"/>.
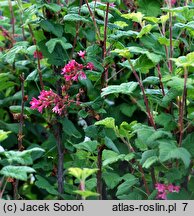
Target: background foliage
<point x="125" y="127"/>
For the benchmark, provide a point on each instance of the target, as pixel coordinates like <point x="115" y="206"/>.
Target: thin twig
<point x="38" y="58"/>
<point x="60" y="149"/>
<point x="94" y="20"/>
<point x="160" y="79"/>
<point x="182" y="107"/>
<point x="82" y="188"/>
<point x="150" y="116"/>
<point x="171" y="45"/>
<point x="12" y="17"/>
<point x="58" y="136"/>
<point x="99" y="173"/>
<point x="20" y="133"/>
<point x="77" y="30"/>
<point x="104" y="45"/>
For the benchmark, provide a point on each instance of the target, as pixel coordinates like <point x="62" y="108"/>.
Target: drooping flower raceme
<point x="49" y="99"/>
<point x="163" y="190"/>
<point x="58" y="104"/>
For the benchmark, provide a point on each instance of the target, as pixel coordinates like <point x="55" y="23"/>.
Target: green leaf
<point x="152" y="19"/>
<point x="143" y="64"/>
<point x="169" y="151"/>
<point x="173" y="174"/>
<point x="110" y="157"/>
<point x="23" y="157"/>
<point x="166" y="120"/>
<point x="6" y="85"/>
<point x="145" y="30"/>
<point x="53" y="7"/>
<point x="184" y="61"/>
<point x="89" y="146"/>
<point x="188" y="143"/>
<point x="124" y="88"/>
<point x="62" y="41"/>
<point x="150" y="161"/>
<point x="81" y="174"/>
<point x="17" y="109"/>
<point x="119" y="34"/>
<point x="127" y="109"/>
<point x="70" y="129"/>
<point x="52" y="27"/>
<point x="191" y="184"/>
<point x="17" y="172"/>
<point x="125" y="186"/>
<point x="136" y="17"/>
<point x="44" y="184"/>
<point x="148" y="154"/>
<point x="14" y="127"/>
<point x="4" y="135"/>
<point x="108" y="122"/>
<point x="75" y="18"/>
<point x="83" y="114"/>
<point x="121" y="24"/>
<point x="149" y="7"/>
<point x="110" y="144"/>
<point x="19" y="47"/>
<point x="111" y="179"/>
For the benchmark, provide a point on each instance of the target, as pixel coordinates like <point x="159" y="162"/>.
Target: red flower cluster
<point x="38" y="54"/>
<point x="50" y="99"/>
<point x="164" y="189"/>
<point x="73" y="70"/>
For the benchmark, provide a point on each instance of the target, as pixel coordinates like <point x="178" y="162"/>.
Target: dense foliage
<point x="96" y="99"/>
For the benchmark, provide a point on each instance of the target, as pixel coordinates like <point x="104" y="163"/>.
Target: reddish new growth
<point x="163" y="190"/>
<point x="38" y="54"/>
<point x="73" y="70"/>
<point x="50" y="99"/>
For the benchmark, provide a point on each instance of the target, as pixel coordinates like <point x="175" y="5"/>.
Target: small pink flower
<point x="82" y="54"/>
<point x="162" y="196"/>
<point x="40" y="108"/>
<point x="75" y="78"/>
<point x="82" y="75"/>
<point x="90" y="66"/>
<point x="160" y="187"/>
<point x="34" y="103"/>
<point x="38" y="54"/>
<point x="112" y="5"/>
<point x="67" y="78"/>
<point x="170" y="188"/>
<point x="176" y="189"/>
<point x="56" y="109"/>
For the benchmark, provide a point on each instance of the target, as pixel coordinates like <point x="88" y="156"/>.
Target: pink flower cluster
<point x="50" y="99"/>
<point x="73" y="70"/>
<point x="164" y="189"/>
